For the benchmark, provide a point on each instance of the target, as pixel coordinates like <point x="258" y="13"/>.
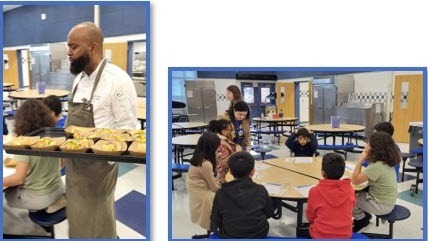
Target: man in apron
<point x="103" y="96"/>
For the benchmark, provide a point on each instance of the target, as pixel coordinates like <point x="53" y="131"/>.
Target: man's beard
<point x="79" y="64"/>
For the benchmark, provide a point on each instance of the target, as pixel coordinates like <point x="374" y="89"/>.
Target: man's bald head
<point x="88" y="32"/>
<point x="85" y="47"/>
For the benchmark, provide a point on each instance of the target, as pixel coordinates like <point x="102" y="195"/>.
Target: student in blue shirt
<point x="55" y="105"/>
<point x="302" y="143"/>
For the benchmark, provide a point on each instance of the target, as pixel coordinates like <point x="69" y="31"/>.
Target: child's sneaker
<point x="361" y="225"/>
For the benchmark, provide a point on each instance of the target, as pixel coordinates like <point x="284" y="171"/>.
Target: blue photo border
<point x="146" y="4"/>
<point x="290" y="69"/>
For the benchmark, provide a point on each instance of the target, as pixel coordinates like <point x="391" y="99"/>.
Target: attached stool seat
<point x="262" y="151"/>
<point x="398" y="213"/>
<point x="418" y="165"/>
<point x="405" y="157"/>
<point x="48" y="220"/>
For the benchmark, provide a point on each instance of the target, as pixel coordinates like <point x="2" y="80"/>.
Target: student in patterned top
<point x="380" y="196"/>
<point x="223" y="128"/>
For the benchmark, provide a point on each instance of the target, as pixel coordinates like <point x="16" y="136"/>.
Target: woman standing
<point x="200" y="182"/>
<point x="233" y="94"/>
<point x="239" y="116"/>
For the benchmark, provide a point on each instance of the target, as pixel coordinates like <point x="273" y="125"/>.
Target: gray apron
<point x="90" y="184"/>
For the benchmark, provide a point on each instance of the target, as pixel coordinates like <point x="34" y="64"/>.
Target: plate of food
<point x="116" y="137"/>
<point x="21" y="142"/>
<point x="135" y="131"/>
<point x="109" y="147"/>
<point x="76" y="145"/>
<point x="73" y="129"/>
<point x="137" y="149"/>
<point x="104" y="131"/>
<point x="48" y="143"/>
<point x="94" y="135"/>
<point x="139" y="136"/>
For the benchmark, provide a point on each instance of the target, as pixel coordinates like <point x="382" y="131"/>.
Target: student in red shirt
<point x="331" y="202"/>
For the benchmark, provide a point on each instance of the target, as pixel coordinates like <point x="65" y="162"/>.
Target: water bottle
<point x="262" y="115"/>
<point x="281" y="114"/>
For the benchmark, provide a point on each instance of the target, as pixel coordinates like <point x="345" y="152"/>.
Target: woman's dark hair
<point x="217" y="126"/>
<point x="239" y="106"/>
<point x="54" y="103"/>
<point x="383" y="148"/>
<point x="32" y="115"/>
<point x="385" y="127"/>
<point x="333" y="166"/>
<point x="236" y="94"/>
<point x="241" y="164"/>
<point x="206" y="149"/>
<point x="303" y="132"/>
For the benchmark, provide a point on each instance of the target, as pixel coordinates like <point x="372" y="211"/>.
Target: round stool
<point x="48" y="220"/>
<point x="262" y="152"/>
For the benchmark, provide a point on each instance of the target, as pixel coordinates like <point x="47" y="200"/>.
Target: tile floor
<point x="412" y="228"/>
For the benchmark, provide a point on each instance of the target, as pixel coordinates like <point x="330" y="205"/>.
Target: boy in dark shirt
<point x="241" y="207"/>
<point x="302" y="143"/>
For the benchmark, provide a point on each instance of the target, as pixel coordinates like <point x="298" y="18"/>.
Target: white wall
<point x="220" y="89"/>
<point x="373" y="81"/>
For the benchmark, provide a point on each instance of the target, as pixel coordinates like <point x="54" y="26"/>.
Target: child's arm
<point x="290" y="141"/>
<point x="215" y="216"/>
<point x="18" y="178"/>
<point x="208" y="174"/>
<point x="269" y="208"/>
<point x="310" y="209"/>
<point x="313" y="142"/>
<point x="357" y="176"/>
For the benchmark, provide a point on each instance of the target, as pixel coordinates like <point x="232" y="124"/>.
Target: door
<point x="329" y="102"/>
<point x="408" y="104"/>
<point x="318" y="105"/>
<point x="195" y="104"/>
<point x="255" y="94"/>
<point x="286" y="98"/>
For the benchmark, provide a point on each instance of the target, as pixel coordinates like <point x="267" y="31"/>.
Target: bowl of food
<point x="77" y="145"/>
<point x="21" y="142"/>
<point x="94" y="135"/>
<point x="71" y="130"/>
<point x="109" y="147"/>
<point x="139" y="136"/>
<point x="48" y="143"/>
<point x="137" y="149"/>
<point x="116" y="137"/>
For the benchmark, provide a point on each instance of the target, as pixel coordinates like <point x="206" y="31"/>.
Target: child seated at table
<point x="241" y="207"/>
<point x="380" y="196"/>
<point x="388" y="128"/>
<point x="223" y="128"/>
<point x="331" y="202"/>
<point x="55" y="105"/>
<point x="36" y="183"/>
<point x="302" y="143"/>
<point x="200" y="182"/>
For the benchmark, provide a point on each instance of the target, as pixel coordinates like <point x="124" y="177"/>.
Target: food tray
<point x="59" y="132"/>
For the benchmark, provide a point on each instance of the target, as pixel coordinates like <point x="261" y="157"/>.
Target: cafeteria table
<point x="33" y="94"/>
<point x="183" y="128"/>
<point x="274" y="125"/>
<point x="343" y="131"/>
<point x="181" y="143"/>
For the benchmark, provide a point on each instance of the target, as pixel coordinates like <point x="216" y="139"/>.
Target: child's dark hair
<point x="303" y="132"/>
<point x="333" y="166"/>
<point x="206" y="149"/>
<point x="32" y="115"/>
<point x="383" y="148"/>
<point x="217" y="126"/>
<point x="54" y="103"/>
<point x="385" y="127"/>
<point x="239" y="106"/>
<point x="241" y="164"/>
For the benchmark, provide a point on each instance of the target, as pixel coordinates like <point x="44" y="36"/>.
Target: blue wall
<point x="23" y="25"/>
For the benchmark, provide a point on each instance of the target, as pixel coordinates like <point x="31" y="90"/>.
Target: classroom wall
<point x="117" y="53"/>
<point x="23" y="25"/>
